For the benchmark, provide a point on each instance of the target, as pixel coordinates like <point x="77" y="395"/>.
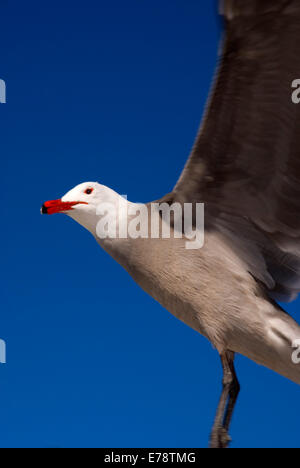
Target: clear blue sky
<point x="110" y="92"/>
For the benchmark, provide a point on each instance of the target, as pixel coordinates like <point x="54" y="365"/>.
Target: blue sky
<point x="110" y="92"/>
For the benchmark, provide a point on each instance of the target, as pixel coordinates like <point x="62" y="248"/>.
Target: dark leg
<point x="231" y="388"/>
<point x="233" y="395"/>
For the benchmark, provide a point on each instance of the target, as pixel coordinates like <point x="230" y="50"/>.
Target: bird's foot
<point x="220" y="439"/>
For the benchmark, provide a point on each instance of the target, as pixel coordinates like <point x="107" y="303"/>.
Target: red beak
<point x="58" y="206"/>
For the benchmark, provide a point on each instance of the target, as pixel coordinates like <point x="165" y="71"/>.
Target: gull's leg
<point x="219" y="435"/>
<point x="233" y="394"/>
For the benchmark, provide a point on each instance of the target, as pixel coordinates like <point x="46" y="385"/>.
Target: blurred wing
<point x="245" y="164"/>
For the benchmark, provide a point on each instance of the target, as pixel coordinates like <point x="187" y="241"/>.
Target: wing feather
<point x="245" y="164"/>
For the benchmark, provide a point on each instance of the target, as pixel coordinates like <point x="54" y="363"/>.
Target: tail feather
<point x="272" y="340"/>
<point x="281" y="351"/>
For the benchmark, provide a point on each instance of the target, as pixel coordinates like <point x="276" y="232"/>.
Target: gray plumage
<point x="245" y="164"/>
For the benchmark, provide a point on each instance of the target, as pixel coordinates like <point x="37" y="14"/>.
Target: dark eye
<point x="89" y="191"/>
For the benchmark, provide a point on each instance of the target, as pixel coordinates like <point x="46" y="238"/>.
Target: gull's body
<point x="209" y="289"/>
<point x="245" y="167"/>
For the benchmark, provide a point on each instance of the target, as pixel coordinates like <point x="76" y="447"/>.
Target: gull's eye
<point x="89" y="191"/>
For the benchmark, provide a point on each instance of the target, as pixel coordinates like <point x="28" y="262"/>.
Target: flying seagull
<point x="245" y="168"/>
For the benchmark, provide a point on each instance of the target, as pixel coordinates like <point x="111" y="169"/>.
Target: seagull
<point x="245" y="168"/>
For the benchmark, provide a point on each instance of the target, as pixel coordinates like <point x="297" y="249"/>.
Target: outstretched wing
<point x="245" y="164"/>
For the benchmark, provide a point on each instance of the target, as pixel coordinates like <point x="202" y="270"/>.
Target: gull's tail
<point x="277" y="347"/>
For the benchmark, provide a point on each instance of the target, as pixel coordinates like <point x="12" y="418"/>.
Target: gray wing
<point x="245" y="165"/>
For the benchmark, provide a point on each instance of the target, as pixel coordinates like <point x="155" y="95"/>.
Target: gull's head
<point x="82" y="204"/>
<point x="87" y="203"/>
<point x="82" y="199"/>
